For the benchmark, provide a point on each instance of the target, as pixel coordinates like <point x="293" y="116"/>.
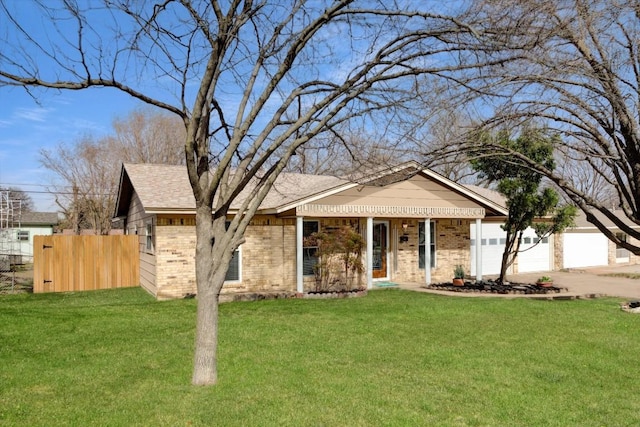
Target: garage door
<point x="493" y="241"/>
<point x="585" y="250"/>
<point x="535" y="254"/>
<point x="535" y="258"/>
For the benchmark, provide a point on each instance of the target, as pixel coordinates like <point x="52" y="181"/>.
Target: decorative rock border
<point x="490" y="287"/>
<point x="332" y="295"/>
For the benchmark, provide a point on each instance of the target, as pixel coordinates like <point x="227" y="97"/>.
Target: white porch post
<point x="427" y="251"/>
<point x="478" y="249"/>
<point x="299" y="260"/>
<point x="369" y="252"/>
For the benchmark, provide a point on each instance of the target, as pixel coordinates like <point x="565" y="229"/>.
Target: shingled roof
<point x="39" y="218"/>
<point x="167" y="188"/>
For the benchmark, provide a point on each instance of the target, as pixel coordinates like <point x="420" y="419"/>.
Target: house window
<point x="620" y="251"/>
<point x="23" y="235"/>
<point x="421" y="244"/>
<point x="309" y="247"/>
<point x="233" y="273"/>
<point x="149" y="237"/>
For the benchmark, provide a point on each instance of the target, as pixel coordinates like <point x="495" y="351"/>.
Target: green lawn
<point x="393" y="358"/>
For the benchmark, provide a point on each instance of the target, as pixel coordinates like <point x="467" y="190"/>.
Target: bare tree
<point x="347" y="152"/>
<point x="87" y="170"/>
<point x="20" y="196"/>
<point x="149" y="135"/>
<point x="88" y="175"/>
<point x="249" y="79"/>
<point x="572" y="66"/>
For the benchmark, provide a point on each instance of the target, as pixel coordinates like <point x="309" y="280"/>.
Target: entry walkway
<point x="584" y="283"/>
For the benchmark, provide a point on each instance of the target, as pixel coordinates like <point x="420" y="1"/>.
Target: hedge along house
<point x="409" y="218"/>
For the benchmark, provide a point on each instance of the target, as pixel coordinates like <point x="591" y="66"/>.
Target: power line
<point x="57" y="193"/>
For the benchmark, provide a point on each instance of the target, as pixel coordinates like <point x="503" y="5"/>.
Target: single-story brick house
<point x="391" y="210"/>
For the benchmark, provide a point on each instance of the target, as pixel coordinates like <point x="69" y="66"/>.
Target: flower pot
<point x="458" y="282"/>
<point x="545" y="284"/>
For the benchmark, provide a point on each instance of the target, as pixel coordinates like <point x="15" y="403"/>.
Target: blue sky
<point x="27" y="126"/>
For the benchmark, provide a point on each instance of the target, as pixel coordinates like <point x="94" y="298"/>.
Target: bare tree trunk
<point x="205" y="370"/>
<point x="205" y="367"/>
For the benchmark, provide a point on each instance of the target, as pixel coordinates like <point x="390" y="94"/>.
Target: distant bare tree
<point x="147" y="135"/>
<point x="347" y="153"/>
<point x="23" y="198"/>
<point x="88" y="169"/>
<point x="88" y="175"/>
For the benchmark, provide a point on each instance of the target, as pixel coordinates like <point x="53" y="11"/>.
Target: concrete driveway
<point x="591" y="281"/>
<point x="580" y="283"/>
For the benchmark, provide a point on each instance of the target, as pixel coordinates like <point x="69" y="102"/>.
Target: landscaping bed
<point x="492" y="287"/>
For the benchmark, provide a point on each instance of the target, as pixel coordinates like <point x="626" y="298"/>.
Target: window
<point x="233" y="273"/>
<point x="421" y="244"/>
<point x="493" y="242"/>
<point x="527" y="240"/>
<point x="149" y="234"/>
<point x="23" y="235"/>
<point x="620" y="251"/>
<point x="309" y="247"/>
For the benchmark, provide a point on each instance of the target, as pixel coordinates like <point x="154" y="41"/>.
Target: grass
<point x="119" y="358"/>
<point x="635" y="276"/>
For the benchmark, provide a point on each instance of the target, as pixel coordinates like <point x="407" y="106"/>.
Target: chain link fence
<point x="15" y="277"/>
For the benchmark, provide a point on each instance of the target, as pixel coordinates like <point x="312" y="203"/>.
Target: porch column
<point x="478" y="249"/>
<point x="369" y="253"/>
<point x="299" y="257"/>
<point x="427" y="251"/>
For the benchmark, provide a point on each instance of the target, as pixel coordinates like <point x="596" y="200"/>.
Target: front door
<point x="380" y="249"/>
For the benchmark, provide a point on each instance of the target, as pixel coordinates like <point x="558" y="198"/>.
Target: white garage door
<point x="532" y="256"/>
<point x="536" y="258"/>
<point x="585" y="250"/>
<point x="493" y="241"/>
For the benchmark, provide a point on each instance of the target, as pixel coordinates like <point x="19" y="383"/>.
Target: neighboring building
<point x="585" y="246"/>
<point x="410" y="218"/>
<point x="18" y="240"/>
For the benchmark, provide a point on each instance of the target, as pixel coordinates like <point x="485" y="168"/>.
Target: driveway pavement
<point x="587" y="283"/>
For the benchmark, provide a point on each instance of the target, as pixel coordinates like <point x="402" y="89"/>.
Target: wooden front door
<point x="380" y="249"/>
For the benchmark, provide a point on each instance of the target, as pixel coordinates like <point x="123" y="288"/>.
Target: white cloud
<point x="37" y="114"/>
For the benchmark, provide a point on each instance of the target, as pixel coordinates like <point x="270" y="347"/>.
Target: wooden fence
<point x="83" y="263"/>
